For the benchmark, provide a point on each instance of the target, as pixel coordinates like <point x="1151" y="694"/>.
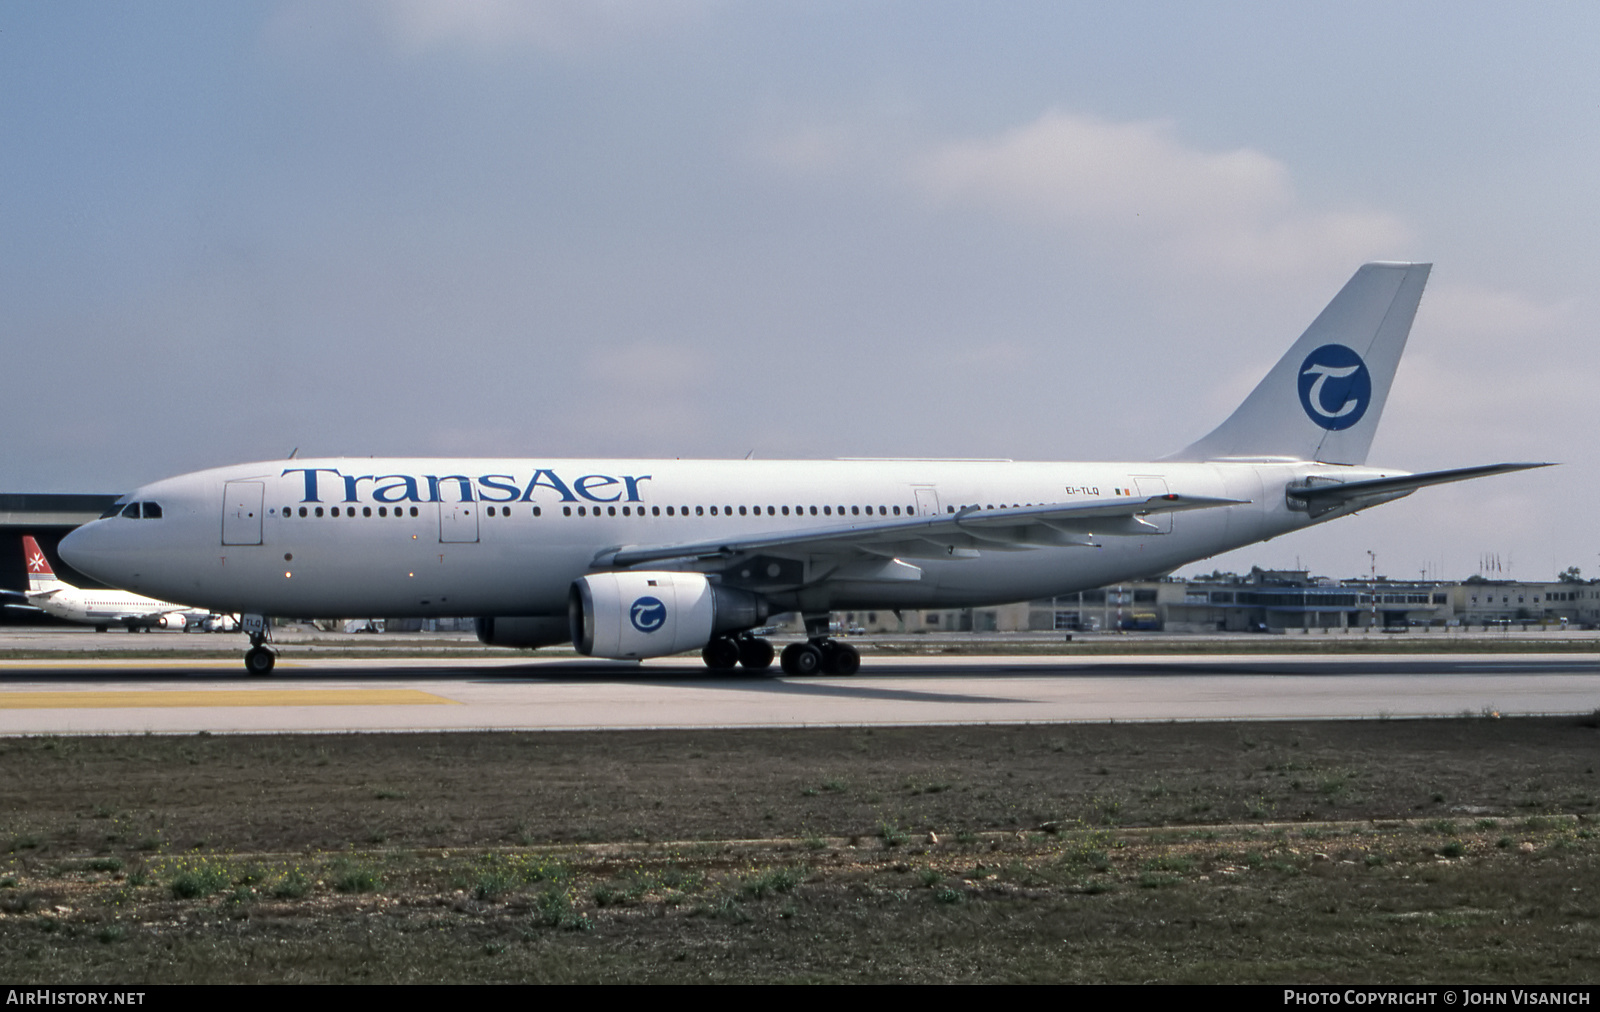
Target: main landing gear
<point x="819" y="654"/>
<point x="724" y="652"/>
<point x="815" y="657"/>
<point x="820" y="657"/>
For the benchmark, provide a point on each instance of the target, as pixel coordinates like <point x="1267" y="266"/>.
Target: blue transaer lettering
<point x="393" y="488"/>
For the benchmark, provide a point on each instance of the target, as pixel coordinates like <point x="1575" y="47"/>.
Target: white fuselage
<point x="484" y="537"/>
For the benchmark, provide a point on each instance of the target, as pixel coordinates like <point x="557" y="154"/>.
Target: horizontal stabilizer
<point x="1320" y="498"/>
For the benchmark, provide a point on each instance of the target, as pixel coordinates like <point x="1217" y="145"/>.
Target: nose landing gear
<point x="260" y="658"/>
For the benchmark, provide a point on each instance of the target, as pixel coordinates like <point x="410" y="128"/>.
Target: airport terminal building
<point x="1269" y="601"/>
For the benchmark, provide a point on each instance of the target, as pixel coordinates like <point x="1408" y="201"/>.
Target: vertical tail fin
<point x="1323" y="399"/>
<point x="41" y="577"/>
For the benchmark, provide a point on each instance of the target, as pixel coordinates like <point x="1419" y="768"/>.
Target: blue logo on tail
<point x="1335" y="387"/>
<point x="648" y="614"/>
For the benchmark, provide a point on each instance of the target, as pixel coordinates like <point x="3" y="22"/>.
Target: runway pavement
<point x="161" y="694"/>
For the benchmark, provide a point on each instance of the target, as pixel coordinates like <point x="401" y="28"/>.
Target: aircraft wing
<point x="1320" y="498"/>
<point x="962" y="534"/>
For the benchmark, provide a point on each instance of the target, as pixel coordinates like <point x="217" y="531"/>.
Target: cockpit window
<point x="111" y="511"/>
<point x="131" y="511"/>
<point x="152" y="511"/>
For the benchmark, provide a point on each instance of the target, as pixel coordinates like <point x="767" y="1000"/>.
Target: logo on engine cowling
<point x="648" y="614"/>
<point x="1335" y="387"/>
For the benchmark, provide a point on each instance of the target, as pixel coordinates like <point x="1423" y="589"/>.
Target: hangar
<point x="48" y="516"/>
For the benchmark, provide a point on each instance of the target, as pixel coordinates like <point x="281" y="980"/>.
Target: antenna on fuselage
<point x="292" y="453"/>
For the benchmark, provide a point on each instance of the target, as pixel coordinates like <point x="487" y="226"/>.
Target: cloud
<point x="655" y="383"/>
<point x="1130" y="189"/>
<point x="557" y="26"/>
<point x="415" y="28"/>
<point x="1137" y="187"/>
<point x="1482" y="320"/>
<point x="1500" y="371"/>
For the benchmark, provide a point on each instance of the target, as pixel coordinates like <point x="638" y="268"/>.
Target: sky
<point x="706" y="228"/>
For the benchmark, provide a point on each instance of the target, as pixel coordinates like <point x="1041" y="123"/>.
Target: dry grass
<point x="1455" y="850"/>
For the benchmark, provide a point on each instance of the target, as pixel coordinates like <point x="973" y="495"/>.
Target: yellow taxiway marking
<point x="119" y="662"/>
<point x="219" y="697"/>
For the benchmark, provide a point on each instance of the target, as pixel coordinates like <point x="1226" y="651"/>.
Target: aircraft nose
<point x="87" y="549"/>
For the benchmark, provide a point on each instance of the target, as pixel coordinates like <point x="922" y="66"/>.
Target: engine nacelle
<point x="522" y="630"/>
<point x="172" y="620"/>
<point x="633" y="615"/>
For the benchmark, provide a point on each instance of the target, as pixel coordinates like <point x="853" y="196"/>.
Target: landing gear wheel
<point x="801" y="659"/>
<point x="720" y="654"/>
<point x="840" y="659"/>
<point x="259" y="660"/>
<point x="755" y="654"/>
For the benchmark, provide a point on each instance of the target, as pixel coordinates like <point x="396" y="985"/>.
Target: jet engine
<point x="641" y="614"/>
<point x="522" y="630"/>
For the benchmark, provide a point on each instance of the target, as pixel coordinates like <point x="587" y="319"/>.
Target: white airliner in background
<point x="644" y="558"/>
<point x="99" y="608"/>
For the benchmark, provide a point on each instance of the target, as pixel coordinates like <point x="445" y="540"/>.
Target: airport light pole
<point x="1372" y="589"/>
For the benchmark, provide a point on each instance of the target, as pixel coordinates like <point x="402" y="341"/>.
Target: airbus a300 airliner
<point x="645" y="558"/>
